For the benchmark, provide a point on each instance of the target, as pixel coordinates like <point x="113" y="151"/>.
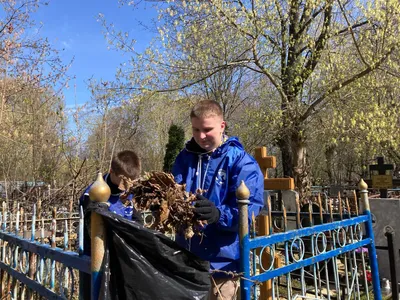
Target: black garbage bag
<point x="145" y="264"/>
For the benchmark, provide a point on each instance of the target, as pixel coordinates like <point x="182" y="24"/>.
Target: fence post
<point x="242" y="195"/>
<point x="392" y="261"/>
<point x="99" y="192"/>
<point x="370" y="234"/>
<point x="264" y="229"/>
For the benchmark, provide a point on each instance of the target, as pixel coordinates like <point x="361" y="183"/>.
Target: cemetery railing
<point x="333" y="260"/>
<point x="330" y="260"/>
<point x="48" y="263"/>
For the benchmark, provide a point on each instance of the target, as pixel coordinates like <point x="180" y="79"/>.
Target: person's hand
<point x="205" y="210"/>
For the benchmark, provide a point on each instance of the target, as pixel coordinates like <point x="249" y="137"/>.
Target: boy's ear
<point x="223" y="125"/>
<point x="111" y="171"/>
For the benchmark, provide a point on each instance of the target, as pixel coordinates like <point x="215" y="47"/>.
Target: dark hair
<point x="126" y="163"/>
<point x="206" y="108"/>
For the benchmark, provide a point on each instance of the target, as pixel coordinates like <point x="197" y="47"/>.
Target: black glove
<point x="205" y="210"/>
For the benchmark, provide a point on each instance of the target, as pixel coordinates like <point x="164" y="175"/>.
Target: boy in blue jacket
<point x="125" y="163"/>
<point x="216" y="165"/>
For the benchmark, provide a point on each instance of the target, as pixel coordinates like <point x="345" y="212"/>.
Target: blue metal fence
<point x="322" y="261"/>
<point x="40" y="265"/>
<point x="326" y="261"/>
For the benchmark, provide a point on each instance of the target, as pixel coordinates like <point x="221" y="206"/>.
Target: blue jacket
<point x="220" y="173"/>
<point x="116" y="206"/>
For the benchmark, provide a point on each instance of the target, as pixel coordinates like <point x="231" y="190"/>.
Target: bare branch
<point x="344" y="30"/>
<point x="352" y="34"/>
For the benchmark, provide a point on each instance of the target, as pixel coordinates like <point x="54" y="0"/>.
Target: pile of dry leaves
<point x="169" y="206"/>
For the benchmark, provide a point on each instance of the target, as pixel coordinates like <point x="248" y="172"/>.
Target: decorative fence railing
<point x="36" y="257"/>
<point x="326" y="261"/>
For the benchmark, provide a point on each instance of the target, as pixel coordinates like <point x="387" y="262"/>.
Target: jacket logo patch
<point x="221" y="177"/>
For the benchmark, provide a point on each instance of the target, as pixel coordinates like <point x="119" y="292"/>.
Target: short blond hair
<point x="206" y="108"/>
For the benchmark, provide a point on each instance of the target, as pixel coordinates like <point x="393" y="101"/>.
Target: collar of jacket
<point x="193" y="147"/>
<point x="115" y="191"/>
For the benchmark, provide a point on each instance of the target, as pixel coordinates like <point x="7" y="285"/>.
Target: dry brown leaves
<point x="170" y="205"/>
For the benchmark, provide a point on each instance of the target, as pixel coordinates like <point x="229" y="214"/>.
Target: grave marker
<point x="382" y="181"/>
<point x="269" y="162"/>
<point x="264" y="222"/>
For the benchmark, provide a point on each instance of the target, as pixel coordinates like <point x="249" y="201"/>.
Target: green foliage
<point x="356" y="126"/>
<point x="316" y="78"/>
<point x="176" y="139"/>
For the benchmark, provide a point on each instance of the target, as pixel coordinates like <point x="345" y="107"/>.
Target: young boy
<point x="125" y="163"/>
<point x="216" y="165"/>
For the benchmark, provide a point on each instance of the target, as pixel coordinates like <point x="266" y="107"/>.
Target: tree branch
<point x="312" y="108"/>
<point x="15" y="10"/>
<point x="307" y="22"/>
<point x="252" y="16"/>
<point x="352" y="34"/>
<point x="189" y="84"/>
<point x="320" y="44"/>
<point x="267" y="73"/>
<point x="344" y="30"/>
<point x="233" y="22"/>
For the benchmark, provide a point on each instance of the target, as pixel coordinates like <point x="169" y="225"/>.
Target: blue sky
<point x="72" y="25"/>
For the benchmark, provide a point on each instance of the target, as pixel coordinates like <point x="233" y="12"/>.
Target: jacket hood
<point x="192" y="146"/>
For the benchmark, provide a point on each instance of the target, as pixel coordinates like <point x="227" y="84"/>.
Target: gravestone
<point x="335" y="190"/>
<point x="385" y="215"/>
<point x="289" y="199"/>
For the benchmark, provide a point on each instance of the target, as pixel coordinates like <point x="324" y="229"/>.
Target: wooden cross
<point x="264" y="222"/>
<point x="269" y="162"/>
<point x="381" y="167"/>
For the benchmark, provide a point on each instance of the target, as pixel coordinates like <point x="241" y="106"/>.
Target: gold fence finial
<point x="242" y="192"/>
<point x="99" y="191"/>
<point x="362" y="185"/>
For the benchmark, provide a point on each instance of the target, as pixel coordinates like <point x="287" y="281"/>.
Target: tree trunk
<point x="329" y="153"/>
<point x="287" y="157"/>
<point x="294" y="162"/>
